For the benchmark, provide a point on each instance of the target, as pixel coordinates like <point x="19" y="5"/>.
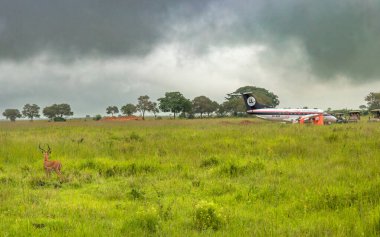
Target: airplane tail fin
<point x="251" y="102"/>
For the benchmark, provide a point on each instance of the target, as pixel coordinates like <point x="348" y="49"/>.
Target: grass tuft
<point x="207" y="216"/>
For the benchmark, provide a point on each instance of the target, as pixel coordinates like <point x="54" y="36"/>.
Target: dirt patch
<point x="121" y="118"/>
<point x="226" y="123"/>
<point x="246" y="122"/>
<point x="243" y="122"/>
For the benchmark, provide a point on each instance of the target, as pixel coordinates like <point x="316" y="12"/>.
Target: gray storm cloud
<point x="339" y="38"/>
<point x="83" y="28"/>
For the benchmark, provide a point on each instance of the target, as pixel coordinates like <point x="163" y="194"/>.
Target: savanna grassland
<point x="219" y="177"/>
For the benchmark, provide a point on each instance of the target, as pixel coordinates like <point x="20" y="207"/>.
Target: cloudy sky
<point x="95" y="53"/>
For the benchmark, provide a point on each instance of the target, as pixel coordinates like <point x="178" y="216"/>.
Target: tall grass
<point x="222" y="177"/>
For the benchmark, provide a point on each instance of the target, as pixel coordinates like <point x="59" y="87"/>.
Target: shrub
<point x="97" y="117"/>
<point x="206" y="216"/>
<point x="165" y="211"/>
<point x="6" y="180"/>
<point x="376" y="227"/>
<point x="59" y="119"/>
<point x="135" y="137"/>
<point x="37" y="182"/>
<point x="234" y="170"/>
<point x="40" y="182"/>
<point x="146" y="219"/>
<point x="26" y="170"/>
<point x="209" y="162"/>
<point x="196" y="183"/>
<point x="136" y="194"/>
<point x="111" y="169"/>
<point x="332" y="138"/>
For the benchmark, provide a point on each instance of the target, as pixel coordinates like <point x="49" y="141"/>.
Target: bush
<point x="136" y="194"/>
<point x="234" y="170"/>
<point x="376" y="227"/>
<point x="135" y="137"/>
<point x="6" y="180"/>
<point x="146" y="219"/>
<point x="108" y="169"/>
<point x="59" y="119"/>
<point x="209" y="162"/>
<point x="97" y="117"/>
<point x="37" y="182"/>
<point x="206" y="216"/>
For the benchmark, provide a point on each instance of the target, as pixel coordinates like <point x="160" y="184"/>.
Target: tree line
<point x="175" y="103"/>
<point x="55" y="112"/>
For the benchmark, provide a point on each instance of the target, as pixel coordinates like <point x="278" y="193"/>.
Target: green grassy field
<point x="217" y="177"/>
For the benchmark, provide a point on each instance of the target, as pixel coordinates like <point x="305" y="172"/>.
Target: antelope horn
<point x="39" y="146"/>
<point x="49" y="150"/>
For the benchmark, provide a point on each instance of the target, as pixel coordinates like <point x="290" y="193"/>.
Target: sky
<point x="95" y="53"/>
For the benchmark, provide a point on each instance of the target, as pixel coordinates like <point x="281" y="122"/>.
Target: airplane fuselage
<point x="289" y="115"/>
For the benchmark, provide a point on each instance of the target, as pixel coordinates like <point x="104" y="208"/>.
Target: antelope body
<point x="51" y="165"/>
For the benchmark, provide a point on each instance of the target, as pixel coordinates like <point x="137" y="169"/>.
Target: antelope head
<point x="45" y="152"/>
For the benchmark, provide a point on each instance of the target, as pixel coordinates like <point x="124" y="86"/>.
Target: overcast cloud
<point x="95" y="53"/>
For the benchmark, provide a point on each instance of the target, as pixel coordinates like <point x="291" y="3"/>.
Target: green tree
<point x="64" y="110"/>
<point x="187" y="109"/>
<point x="174" y="102"/>
<point x="57" y="111"/>
<point x="144" y="105"/>
<point x="233" y="106"/>
<point x="12" y="114"/>
<point x="221" y="110"/>
<point x="154" y="109"/>
<point x="97" y="117"/>
<point x="50" y="111"/>
<point x="112" y="110"/>
<point x="364" y="110"/>
<point x="211" y="108"/>
<point x="31" y="111"/>
<point x="373" y="100"/>
<point x="128" y="109"/>
<point x="201" y="105"/>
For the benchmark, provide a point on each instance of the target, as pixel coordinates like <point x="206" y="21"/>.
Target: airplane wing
<point x="291" y="120"/>
<point x="305" y="118"/>
<point x="309" y="116"/>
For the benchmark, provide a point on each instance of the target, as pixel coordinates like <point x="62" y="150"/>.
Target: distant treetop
<point x="263" y="95"/>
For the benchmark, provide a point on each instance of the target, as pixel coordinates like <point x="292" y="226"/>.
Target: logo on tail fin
<point x="251" y="101"/>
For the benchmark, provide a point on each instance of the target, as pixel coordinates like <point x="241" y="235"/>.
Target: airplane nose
<point x="330" y="118"/>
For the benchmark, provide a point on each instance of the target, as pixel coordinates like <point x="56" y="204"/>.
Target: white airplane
<point x="284" y="115"/>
